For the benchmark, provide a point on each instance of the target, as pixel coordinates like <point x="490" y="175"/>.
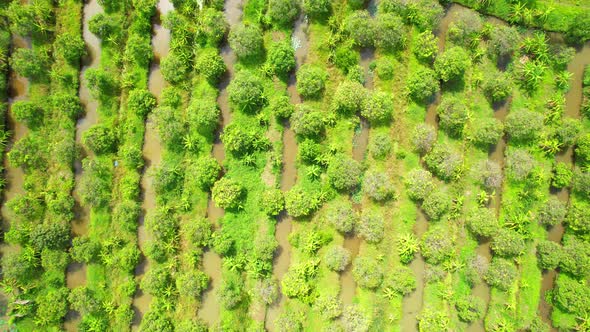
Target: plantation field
<point x="295" y="165"/>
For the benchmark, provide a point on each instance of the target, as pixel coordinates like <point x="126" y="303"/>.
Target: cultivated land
<point x="285" y="165"/>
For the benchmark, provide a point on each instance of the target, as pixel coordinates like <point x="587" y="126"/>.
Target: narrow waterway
<point x="152" y="155"/>
<point x="76" y="272"/>
<point x="282" y="259"/>
<point x="210" y="309"/>
<point x="573" y="101"/>
<point x="412" y="303"/>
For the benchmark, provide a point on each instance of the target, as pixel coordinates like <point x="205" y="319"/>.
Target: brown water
<point x="282" y="258"/>
<point x="76" y="272"/>
<point x="412" y="304"/>
<point x="152" y="155"/>
<point x="573" y="100"/>
<point x="210" y="309"/>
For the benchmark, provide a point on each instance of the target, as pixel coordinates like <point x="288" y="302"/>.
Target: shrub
<point x="519" y="164"/>
<point x="575" y="258"/>
<point x="385" y="68"/>
<point x="169" y="126"/>
<point x="378" y="108"/>
<point x="426" y="47"/>
<point x="272" y="202"/>
<point x="100" y="139"/>
<point x="437" y="245"/>
<point x="337" y="258"/>
<point x="267" y="290"/>
<point x="152" y="321"/>
<point x="444" y="162"/>
<point x="367" y="272"/>
<point x="174" y="68"/>
<point x="212" y="26"/>
<point x="578" y="217"/>
<point x="66" y="104"/>
<point x="242" y="137"/>
<point x="504" y="40"/>
<point x="141" y="102"/>
<point x="423" y="136"/>
<point x="281" y="107"/>
<point x="470" y="308"/>
<point x="487" y="132"/>
<point x="380" y="145"/>
<point x="424" y="14"/>
<point x="581" y="182"/>
<point x="52" y="305"/>
<point x="482" y="222"/>
<point x="17" y="267"/>
<point x="227" y="193"/>
<point x="70" y="46"/>
<point x="299" y="202"/>
<point x="407" y="247"/>
<point x="281" y="57"/>
<point x="353" y="319"/>
<point x="349" y="97"/>
<point x="317" y="8"/>
<point x="204" y="115"/>
<point x="371" y="226"/>
<point x="246" y="40"/>
<point x="282" y="12"/>
<point x="569" y="131"/>
<point x="311" y="81"/>
<point x="328" y="306"/>
<point x="549" y="254"/>
<point x="96" y="182"/>
<point x="508" y="243"/>
<point x="451" y="64"/>
<point x="205" y="171"/>
<point x="210" y="64"/>
<point x="524" y="126"/>
<point x="156" y="281"/>
<point x="192" y="283"/>
<point x="100" y="83"/>
<point x="309" y="151"/>
<point x="230" y="293"/>
<point x="359" y="25"/>
<point x="344" y="173"/>
<point x="389" y="32"/>
<point x="465" y="28"/>
<point x="431" y="320"/>
<point x="345" y="57"/>
<point x="582" y="150"/>
<point x="378" y="186"/>
<point x="246" y="92"/>
<point x="501" y="274"/>
<point x="167" y="177"/>
<point x="579" y="29"/>
<point x="341" y="215"/>
<point x="84" y="250"/>
<point x="29" y="62"/>
<point x="571" y="295"/>
<point x="27" y="112"/>
<point x="419" y="184"/>
<point x="401" y="281"/>
<point x="83" y="300"/>
<point x="489" y="175"/>
<point x="497" y="87"/>
<point x="562" y="175"/>
<point x="436" y="204"/>
<point x="551" y="212"/>
<point x="307" y="122"/>
<point x="453" y="115"/>
<point x="422" y="84"/>
<point x="138" y="49"/>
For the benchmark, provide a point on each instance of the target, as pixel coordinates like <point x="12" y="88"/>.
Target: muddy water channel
<point x="152" y="154"/>
<point x="282" y="258"/>
<point x="412" y="304"/>
<point x="210" y="309"/>
<point x="573" y="101"/>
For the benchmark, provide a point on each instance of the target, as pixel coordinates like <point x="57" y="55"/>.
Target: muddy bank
<point x="210" y="309"/>
<point x="573" y="101"/>
<point x="152" y="155"/>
